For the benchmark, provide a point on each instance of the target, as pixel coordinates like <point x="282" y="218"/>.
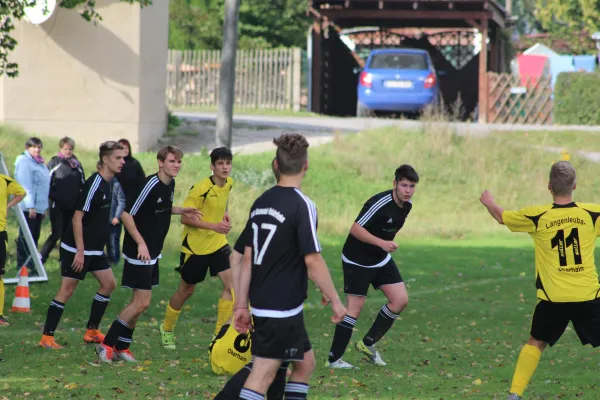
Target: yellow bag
<point x="229" y="353"/>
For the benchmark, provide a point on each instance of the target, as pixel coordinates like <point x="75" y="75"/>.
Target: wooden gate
<point x="514" y="100"/>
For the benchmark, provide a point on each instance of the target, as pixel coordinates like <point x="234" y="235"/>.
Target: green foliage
<point x="566" y="19"/>
<point x="577" y="98"/>
<point x="12" y="10"/>
<point x="198" y="24"/>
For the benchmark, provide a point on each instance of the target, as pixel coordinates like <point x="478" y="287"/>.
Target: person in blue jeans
<point x="32" y="174"/>
<point x="113" y="246"/>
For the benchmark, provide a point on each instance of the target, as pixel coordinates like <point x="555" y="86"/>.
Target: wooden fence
<point x="264" y="78"/>
<point x="513" y="100"/>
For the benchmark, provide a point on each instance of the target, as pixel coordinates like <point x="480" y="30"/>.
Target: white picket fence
<point x="264" y="78"/>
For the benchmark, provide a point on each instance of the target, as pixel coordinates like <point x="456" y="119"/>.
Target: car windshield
<point x="414" y="61"/>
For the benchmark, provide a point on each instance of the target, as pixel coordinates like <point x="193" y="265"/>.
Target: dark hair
<point x="292" y="153"/>
<point x="66" y="140"/>
<point x="220" y="153"/>
<point x="165" y="151"/>
<point x="125" y="142"/>
<point x="33" y="142"/>
<point x="407" y="172"/>
<point x="107" y="148"/>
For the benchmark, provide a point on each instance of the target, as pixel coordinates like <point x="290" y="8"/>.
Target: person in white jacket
<point x="32" y="174"/>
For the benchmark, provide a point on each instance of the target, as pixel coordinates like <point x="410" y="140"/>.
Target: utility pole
<point x="227" y="78"/>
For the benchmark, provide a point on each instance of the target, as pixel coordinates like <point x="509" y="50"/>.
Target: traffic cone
<point x="21" y="302"/>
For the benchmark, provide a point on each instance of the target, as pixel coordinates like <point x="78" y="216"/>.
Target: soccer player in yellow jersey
<point x="8" y="187"/>
<point x="564" y="234"/>
<point x="204" y="244"/>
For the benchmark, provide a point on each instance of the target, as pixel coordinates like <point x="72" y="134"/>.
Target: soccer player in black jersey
<point x="367" y="260"/>
<point x="147" y="219"/>
<point x="281" y="252"/>
<point x="82" y="247"/>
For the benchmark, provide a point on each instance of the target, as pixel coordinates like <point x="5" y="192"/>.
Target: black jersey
<point x="281" y="230"/>
<point x="381" y="217"/>
<point x="94" y="200"/>
<point x="151" y="210"/>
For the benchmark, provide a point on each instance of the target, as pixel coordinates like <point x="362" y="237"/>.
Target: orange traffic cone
<point x="21" y="301"/>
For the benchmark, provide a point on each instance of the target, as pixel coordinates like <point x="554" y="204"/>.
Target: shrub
<point x="577" y="98"/>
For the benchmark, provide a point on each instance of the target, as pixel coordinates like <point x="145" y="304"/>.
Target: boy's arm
<point x="128" y="221"/>
<point x="494" y="209"/>
<point x="319" y="274"/>
<point x="14" y="201"/>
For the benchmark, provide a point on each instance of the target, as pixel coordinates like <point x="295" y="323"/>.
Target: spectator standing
<point x="131" y="179"/>
<point x="116" y="208"/>
<point x="66" y="180"/>
<point x="32" y="174"/>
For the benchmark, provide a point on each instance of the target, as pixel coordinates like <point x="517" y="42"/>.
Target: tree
<point x="13" y="10"/>
<point x="572" y="20"/>
<point x="198" y="24"/>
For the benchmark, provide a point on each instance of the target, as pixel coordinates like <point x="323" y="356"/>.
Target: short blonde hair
<point x="562" y="178"/>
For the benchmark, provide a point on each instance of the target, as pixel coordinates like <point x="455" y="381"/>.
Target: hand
<point x="339" y="312"/>
<point x="192" y="213"/>
<point x="242" y="322"/>
<point x="222" y="227"/>
<point x="226" y="218"/>
<point x="389" y="246"/>
<point x="32" y="213"/>
<point x="115" y="221"/>
<point x="143" y="253"/>
<point x="78" y="261"/>
<point x="486" y="198"/>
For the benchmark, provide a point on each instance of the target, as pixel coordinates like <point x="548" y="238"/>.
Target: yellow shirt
<point x="564" y="238"/>
<point x="211" y="200"/>
<point x="8" y="187"/>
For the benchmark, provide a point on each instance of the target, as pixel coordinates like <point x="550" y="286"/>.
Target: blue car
<point x="397" y="80"/>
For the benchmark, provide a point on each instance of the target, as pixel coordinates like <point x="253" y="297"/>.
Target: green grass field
<point x="470" y="283"/>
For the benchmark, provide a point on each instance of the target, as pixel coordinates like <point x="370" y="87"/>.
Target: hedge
<point x="577" y="98"/>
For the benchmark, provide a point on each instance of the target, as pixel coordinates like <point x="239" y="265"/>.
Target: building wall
<point x="93" y="83"/>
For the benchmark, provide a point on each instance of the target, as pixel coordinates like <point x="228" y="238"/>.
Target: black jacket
<point x="131" y="178"/>
<point x="65" y="183"/>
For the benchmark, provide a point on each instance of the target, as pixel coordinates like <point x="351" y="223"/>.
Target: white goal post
<point x="37" y="261"/>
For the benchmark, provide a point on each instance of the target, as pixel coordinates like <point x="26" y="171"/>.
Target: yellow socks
<point x="526" y="365"/>
<point x="1" y="296"/>
<point x="171" y="317"/>
<point x="224" y="312"/>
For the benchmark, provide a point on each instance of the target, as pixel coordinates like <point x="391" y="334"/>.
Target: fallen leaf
<point x="477" y="381"/>
<point x="71" y="386"/>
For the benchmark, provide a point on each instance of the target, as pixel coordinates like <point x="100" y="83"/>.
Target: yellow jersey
<point x="230" y="351"/>
<point x="211" y="200"/>
<point x="8" y="187"/>
<point x="564" y="238"/>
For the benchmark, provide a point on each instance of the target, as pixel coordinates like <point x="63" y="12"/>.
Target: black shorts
<point x="193" y="267"/>
<point x="283" y="339"/>
<point x="90" y="264"/>
<point x="3" y="247"/>
<point x="142" y="277"/>
<point x="551" y="319"/>
<point x="357" y="279"/>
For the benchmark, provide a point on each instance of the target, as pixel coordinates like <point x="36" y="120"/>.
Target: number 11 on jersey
<point x="259" y="252"/>
<point x="561" y="244"/>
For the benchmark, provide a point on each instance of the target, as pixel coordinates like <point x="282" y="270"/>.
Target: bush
<point x="577" y="98"/>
